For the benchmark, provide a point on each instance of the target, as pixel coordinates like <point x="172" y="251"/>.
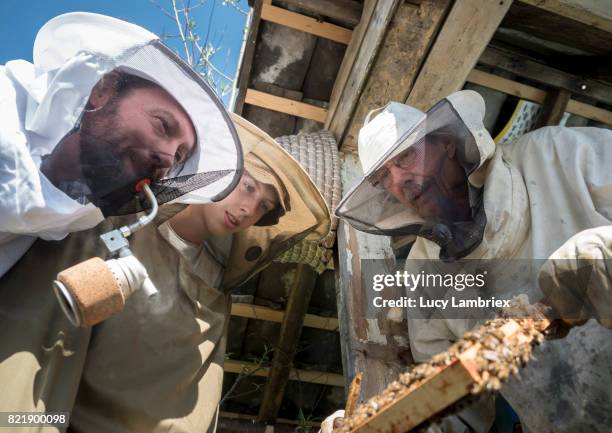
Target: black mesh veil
<point x="419" y="184"/>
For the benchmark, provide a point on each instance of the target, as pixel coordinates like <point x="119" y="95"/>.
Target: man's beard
<point x="101" y="157"/>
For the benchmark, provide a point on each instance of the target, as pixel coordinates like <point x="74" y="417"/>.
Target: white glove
<point x="327" y="426"/>
<point x="577" y="278"/>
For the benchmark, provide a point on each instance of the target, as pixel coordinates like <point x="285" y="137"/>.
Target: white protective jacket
<point x="539" y="191"/>
<point x="41" y="102"/>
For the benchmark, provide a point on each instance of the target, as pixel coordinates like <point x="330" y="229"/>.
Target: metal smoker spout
<point x="94" y="290"/>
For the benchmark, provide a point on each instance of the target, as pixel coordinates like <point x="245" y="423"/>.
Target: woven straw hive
<point x="317" y="153"/>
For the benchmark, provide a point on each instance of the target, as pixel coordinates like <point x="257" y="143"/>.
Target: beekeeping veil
<point x="302" y="213"/>
<point x="72" y="53"/>
<point x="411" y="186"/>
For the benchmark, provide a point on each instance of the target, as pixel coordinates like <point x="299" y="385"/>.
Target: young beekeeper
<point x="104" y="105"/>
<point x="548" y="195"/>
<point x="157" y="366"/>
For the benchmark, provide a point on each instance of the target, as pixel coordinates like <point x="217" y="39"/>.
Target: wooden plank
<point x="529" y="93"/>
<point x="247" y="58"/>
<point x="285" y="105"/>
<point x="539" y="23"/>
<point x="507" y="86"/>
<point x="309" y="376"/>
<point x="305" y="24"/>
<point x="410" y="34"/>
<point x="555" y="105"/>
<point x="590" y="112"/>
<point x="357" y="63"/>
<point x="349" y="58"/>
<point x="590" y="12"/>
<point x="346" y="11"/>
<point x="464" y="36"/>
<point x="251" y="418"/>
<point x="523" y="66"/>
<point x="370" y="342"/>
<point x="300" y="293"/>
<point x="258" y="312"/>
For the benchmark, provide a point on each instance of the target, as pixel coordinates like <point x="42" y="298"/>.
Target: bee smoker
<point x="93" y="290"/>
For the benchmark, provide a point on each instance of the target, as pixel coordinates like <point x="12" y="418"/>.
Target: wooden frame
<point x="469" y="27"/>
<point x="578" y="11"/>
<point x="247" y="58"/>
<point x="346" y="11"/>
<point x="534" y="94"/>
<point x="300" y="293"/>
<point x="309" y="376"/>
<point x="523" y="66"/>
<point x="357" y="62"/>
<point x="285" y="105"/>
<point x="446" y="387"/>
<point x="258" y="312"/>
<point x="306" y="24"/>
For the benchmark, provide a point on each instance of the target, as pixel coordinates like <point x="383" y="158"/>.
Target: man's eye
<point x="379" y="178"/>
<point x="163" y="125"/>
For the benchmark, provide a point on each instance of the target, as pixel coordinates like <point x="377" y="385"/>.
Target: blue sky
<point x="20" y="21"/>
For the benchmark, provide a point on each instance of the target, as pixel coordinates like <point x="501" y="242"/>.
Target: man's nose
<point x="162" y="160"/>
<point x="165" y="152"/>
<point x="399" y="178"/>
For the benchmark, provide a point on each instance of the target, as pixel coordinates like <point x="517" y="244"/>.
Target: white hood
<point x="41" y="102"/>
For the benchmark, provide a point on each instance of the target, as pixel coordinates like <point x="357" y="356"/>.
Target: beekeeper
<point x="548" y="196"/>
<point x="158" y="365"/>
<point x="104" y="105"/>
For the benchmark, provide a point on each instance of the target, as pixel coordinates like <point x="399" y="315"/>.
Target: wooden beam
<point x="285" y="105"/>
<point x="529" y="93"/>
<point x="590" y="112"/>
<point x="409" y="36"/>
<point x="507" y="86"/>
<point x="247" y="58"/>
<point x="554" y="106"/>
<point x="252" y="418"/>
<point x="464" y="36"/>
<point x="346" y="11"/>
<point x="523" y="66"/>
<point x="258" y="312"/>
<point x="593" y="13"/>
<point x="371" y="343"/>
<point x="558" y="29"/>
<point x="356" y="64"/>
<point x="300" y="292"/>
<point x="309" y="376"/>
<point x="305" y="24"/>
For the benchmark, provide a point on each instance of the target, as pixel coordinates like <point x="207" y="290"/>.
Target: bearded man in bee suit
<point x="548" y="195"/>
<point x="156" y="366"/>
<point x="104" y="105"/>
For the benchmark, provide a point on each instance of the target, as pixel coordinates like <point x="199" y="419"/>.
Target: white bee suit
<point x="539" y="192"/>
<point x="41" y="102"/>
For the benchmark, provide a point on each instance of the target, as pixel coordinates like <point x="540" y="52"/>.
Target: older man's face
<point x="143" y="133"/>
<point x="428" y="177"/>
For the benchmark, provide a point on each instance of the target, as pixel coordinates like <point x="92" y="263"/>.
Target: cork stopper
<point x="89" y="292"/>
